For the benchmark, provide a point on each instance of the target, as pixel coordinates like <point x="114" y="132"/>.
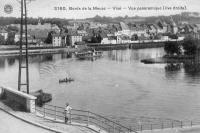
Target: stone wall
<point x="25" y="100"/>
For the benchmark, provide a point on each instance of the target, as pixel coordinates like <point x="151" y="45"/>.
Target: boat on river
<point x="42" y="97"/>
<point x="88" y="54"/>
<point x="66" y="80"/>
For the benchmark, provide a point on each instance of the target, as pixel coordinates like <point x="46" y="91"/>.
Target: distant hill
<point x="191" y="17"/>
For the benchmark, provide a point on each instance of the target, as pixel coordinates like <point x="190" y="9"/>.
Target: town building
<point x="174" y="26"/>
<point x="162" y="26"/>
<point x="123" y="39"/>
<point x="40" y="31"/>
<point x="109" y="40"/>
<point x="73" y="37"/>
<point x="82" y="32"/>
<point x="59" y="40"/>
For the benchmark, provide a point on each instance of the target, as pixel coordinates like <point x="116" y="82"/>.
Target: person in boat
<point x="67" y="78"/>
<point x="67" y="112"/>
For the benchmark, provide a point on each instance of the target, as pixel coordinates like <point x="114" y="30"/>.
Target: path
<point x="10" y="124"/>
<point x="17" y="118"/>
<point x="195" y="129"/>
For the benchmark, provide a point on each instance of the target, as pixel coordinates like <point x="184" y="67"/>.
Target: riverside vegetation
<point x="178" y="52"/>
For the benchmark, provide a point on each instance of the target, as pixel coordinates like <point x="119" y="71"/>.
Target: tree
<point x="190" y="45"/>
<point x="12" y="28"/>
<point x="173" y="36"/>
<point x="2" y="40"/>
<point x="49" y="38"/>
<point x="94" y="40"/>
<point x="11" y="38"/>
<point x="172" y="48"/>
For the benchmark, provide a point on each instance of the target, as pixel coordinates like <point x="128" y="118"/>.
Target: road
<point x="10" y="124"/>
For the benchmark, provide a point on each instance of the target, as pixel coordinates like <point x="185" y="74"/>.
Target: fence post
<point x="130" y="129"/>
<point x="44" y="111"/>
<point x="162" y="125"/>
<point x="140" y="127"/>
<point x="35" y="110"/>
<point x="151" y="127"/>
<point x="113" y="127"/>
<point x="88" y="118"/>
<point x="191" y="123"/>
<point x="119" y="129"/>
<point x="181" y="124"/>
<point x="55" y="112"/>
<point x="70" y="116"/>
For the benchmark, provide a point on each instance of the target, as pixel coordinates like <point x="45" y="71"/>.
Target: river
<point x="117" y="85"/>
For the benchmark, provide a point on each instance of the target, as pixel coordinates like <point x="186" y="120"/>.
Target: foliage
<point x="173" y="36"/>
<point x="172" y="48"/>
<point x="12" y="28"/>
<point x="49" y="38"/>
<point x="190" y="45"/>
<point x="11" y="38"/>
<point x="2" y="40"/>
<point x="12" y="20"/>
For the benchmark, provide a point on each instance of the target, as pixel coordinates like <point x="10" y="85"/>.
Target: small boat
<point x="88" y="54"/>
<point x="66" y="80"/>
<point x="42" y="97"/>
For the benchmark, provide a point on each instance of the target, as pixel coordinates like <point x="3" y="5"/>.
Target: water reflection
<point x="66" y="55"/>
<point x="2" y="62"/>
<point x="192" y="69"/>
<point x="172" y="67"/>
<point x="130" y="55"/>
<point x="11" y="61"/>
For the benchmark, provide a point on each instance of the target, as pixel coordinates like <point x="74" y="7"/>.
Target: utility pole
<point x="23" y="67"/>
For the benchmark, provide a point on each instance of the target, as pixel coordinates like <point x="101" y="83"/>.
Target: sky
<point x="46" y="8"/>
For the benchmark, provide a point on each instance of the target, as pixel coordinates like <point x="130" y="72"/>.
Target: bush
<point x="172" y="48"/>
<point x="190" y="45"/>
<point x="173" y="36"/>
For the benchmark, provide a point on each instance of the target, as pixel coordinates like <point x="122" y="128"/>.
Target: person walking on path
<point x="67" y="112"/>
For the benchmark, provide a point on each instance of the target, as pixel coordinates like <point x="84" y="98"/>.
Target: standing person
<point x="67" y="112"/>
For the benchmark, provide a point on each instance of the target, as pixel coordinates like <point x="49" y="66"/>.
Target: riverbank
<point x="141" y="45"/>
<point x="33" y="50"/>
<point x="12" y="51"/>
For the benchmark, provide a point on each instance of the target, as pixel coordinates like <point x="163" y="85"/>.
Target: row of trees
<point x="13" y="20"/>
<point x="187" y="47"/>
<point x="9" y="40"/>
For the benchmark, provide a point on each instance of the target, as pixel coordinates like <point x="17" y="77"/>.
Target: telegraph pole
<point x="23" y="49"/>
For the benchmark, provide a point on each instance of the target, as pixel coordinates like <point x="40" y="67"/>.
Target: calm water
<point x="116" y="85"/>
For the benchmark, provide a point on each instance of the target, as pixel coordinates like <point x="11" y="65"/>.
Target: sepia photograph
<point x="99" y="66"/>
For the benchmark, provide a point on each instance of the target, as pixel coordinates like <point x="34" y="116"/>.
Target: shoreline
<point x="143" y="45"/>
<point x="168" y="59"/>
<point x="38" y="51"/>
<point x="14" y="50"/>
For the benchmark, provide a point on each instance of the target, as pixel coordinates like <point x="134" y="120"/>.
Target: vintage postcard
<point x="107" y="66"/>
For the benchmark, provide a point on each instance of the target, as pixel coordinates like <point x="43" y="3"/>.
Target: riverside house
<point x="59" y="40"/>
<point x="73" y="38"/>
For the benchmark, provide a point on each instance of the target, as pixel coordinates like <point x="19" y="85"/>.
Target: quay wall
<point x="26" y="101"/>
<point x="15" y="52"/>
<point x="99" y="46"/>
